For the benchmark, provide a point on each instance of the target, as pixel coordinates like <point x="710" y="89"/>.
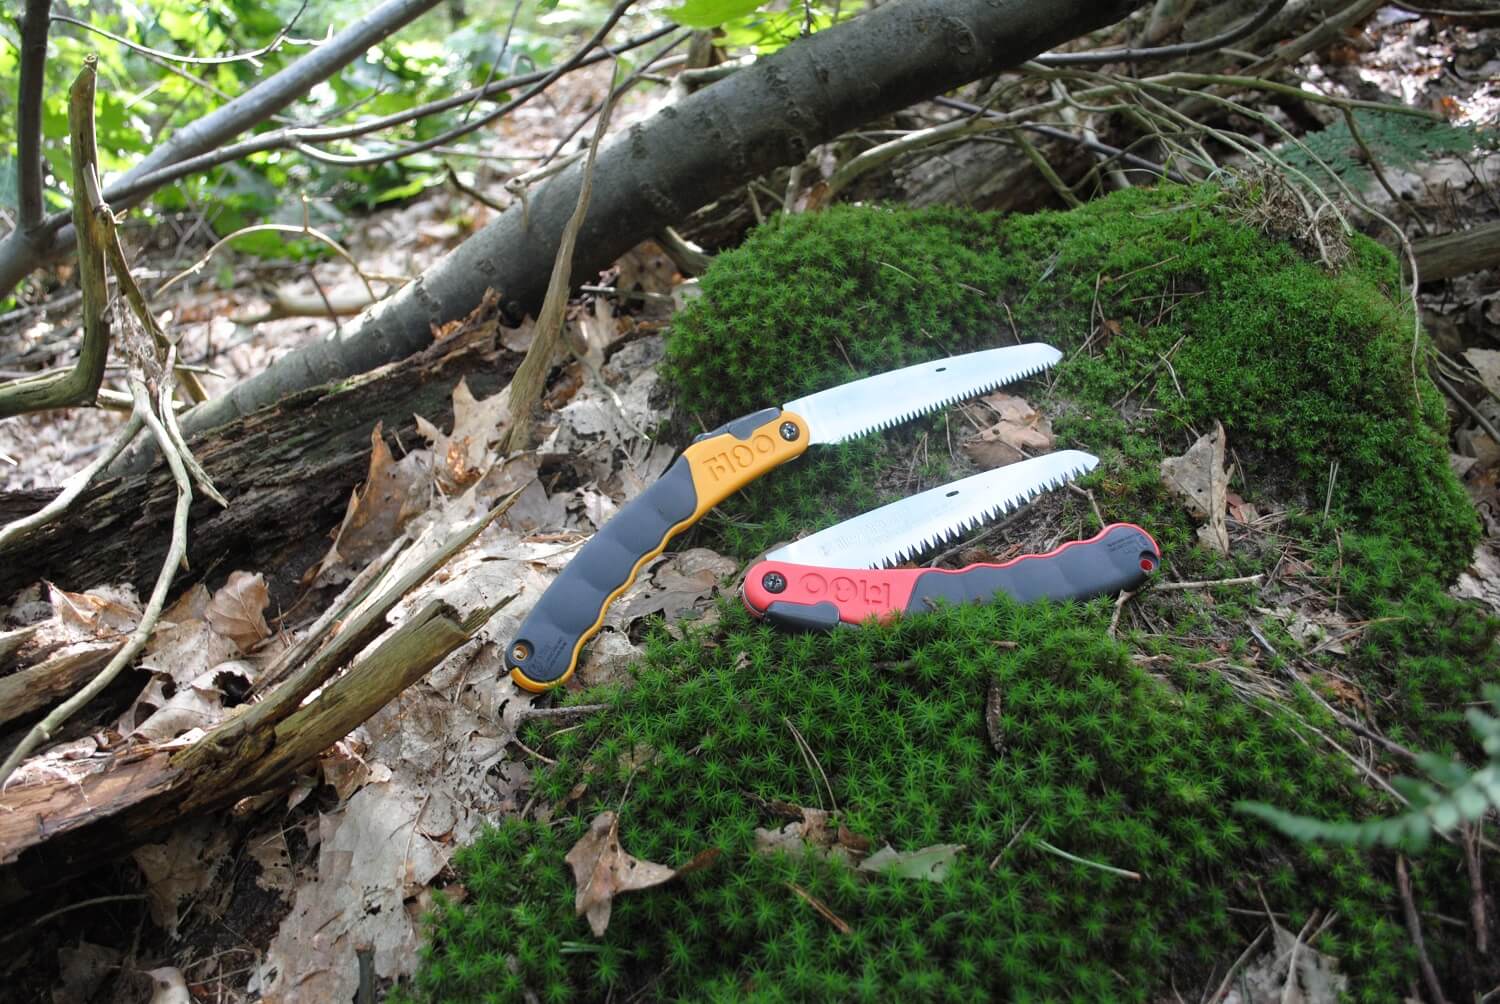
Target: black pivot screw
<point x="789" y="431"/>
<point x="774" y="582"/>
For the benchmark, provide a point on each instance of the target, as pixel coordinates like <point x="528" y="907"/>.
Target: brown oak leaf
<point x="603" y="870"/>
<point x="237" y="611"/>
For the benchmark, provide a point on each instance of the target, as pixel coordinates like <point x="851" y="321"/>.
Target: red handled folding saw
<point x="840" y="575"/>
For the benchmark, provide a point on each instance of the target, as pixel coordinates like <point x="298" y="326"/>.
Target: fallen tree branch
<point x="43" y="730"/>
<point x="57" y="827"/>
<point x="691" y="153"/>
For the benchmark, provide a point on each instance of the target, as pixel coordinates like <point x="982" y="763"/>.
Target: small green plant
<point x="1453" y="794"/>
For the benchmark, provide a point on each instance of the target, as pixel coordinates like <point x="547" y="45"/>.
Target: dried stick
<point x="146" y="50"/>
<point x="1244" y="580"/>
<point x="72" y="488"/>
<point x="1234" y="967"/>
<point x="1102" y="56"/>
<point x="282" y="228"/>
<point x="1477" y="909"/>
<point x="1414" y="929"/>
<point x="43" y="730"/>
<point x="463" y="129"/>
<point x="531" y="376"/>
<point x="1136" y="876"/>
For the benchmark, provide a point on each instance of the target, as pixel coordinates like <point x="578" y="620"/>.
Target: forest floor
<point x="341" y="865"/>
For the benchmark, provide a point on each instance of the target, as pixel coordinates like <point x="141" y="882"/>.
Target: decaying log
<point x="1458" y="253"/>
<point x="55" y="827"/>
<point x="286" y="469"/>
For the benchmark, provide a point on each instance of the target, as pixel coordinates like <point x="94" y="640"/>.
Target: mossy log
<point x="287" y="470"/>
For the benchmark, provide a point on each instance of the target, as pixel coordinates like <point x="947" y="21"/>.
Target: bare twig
<point x="43" y="730"/>
<point x="1011" y="842"/>
<point x="72" y="488"/>
<point x="1135" y="876"/>
<point x="1462" y="402"/>
<point x="1414" y="930"/>
<point x="1478" y="912"/>
<point x="1045" y="169"/>
<point x="570" y="711"/>
<point x="531" y="375"/>
<point x="239" y="57"/>
<point x="169" y="421"/>
<point x="1290" y="986"/>
<point x="822" y="908"/>
<point x="812" y="760"/>
<point x="1234" y="967"/>
<point x="79" y="384"/>
<point x="305" y="230"/>
<point x="1102" y="56"/>
<point x="1114" y="620"/>
<point x="463" y="129"/>
<point x="1243" y="580"/>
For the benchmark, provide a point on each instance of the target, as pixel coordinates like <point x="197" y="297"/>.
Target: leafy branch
<point x="1451" y="796"/>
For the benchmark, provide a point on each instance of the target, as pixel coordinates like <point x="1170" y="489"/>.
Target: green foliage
<point x="1453" y="794"/>
<point x="1215" y="321"/>
<point x="1096" y="757"/>
<point x="1402" y="141"/>
<point x="744" y="24"/>
<point x="1423" y="650"/>
<point x="141" y="104"/>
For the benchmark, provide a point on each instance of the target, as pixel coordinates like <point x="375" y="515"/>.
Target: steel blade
<point x="897" y="532"/>
<point x="887" y="399"/>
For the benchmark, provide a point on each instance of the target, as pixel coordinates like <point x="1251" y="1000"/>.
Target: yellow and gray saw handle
<point x="718" y="464"/>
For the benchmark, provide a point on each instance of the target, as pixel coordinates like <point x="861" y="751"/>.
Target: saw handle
<point x="545" y="650"/>
<point x="810" y="598"/>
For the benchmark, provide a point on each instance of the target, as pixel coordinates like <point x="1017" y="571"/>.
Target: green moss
<point x="1096" y="758"/>
<point x="1215" y="321"/>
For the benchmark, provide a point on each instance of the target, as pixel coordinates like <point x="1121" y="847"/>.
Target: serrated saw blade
<point x="887" y="399"/>
<point x="898" y="532"/>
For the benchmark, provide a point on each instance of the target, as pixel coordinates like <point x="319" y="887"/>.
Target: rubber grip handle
<point x="805" y="597"/>
<point x="545" y="650"/>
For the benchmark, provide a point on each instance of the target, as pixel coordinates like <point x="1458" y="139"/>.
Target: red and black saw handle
<point x="813" y="598"/>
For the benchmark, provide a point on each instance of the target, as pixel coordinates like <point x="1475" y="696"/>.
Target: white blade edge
<point x="898" y="532"/>
<point x="887" y="399"/>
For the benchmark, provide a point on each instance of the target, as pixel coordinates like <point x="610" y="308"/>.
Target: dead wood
<point x="287" y="470"/>
<point x="1458" y="253"/>
<point x="26" y="690"/>
<point x="57" y="827"/>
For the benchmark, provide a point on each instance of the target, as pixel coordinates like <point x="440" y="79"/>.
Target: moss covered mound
<point x="1092" y="757"/>
<point x="1176" y="314"/>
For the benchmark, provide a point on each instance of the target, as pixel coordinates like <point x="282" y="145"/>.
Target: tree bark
<point x="1458" y="253"/>
<point x="766" y="116"/>
<point x="23" y="249"/>
<point x="288" y="466"/>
